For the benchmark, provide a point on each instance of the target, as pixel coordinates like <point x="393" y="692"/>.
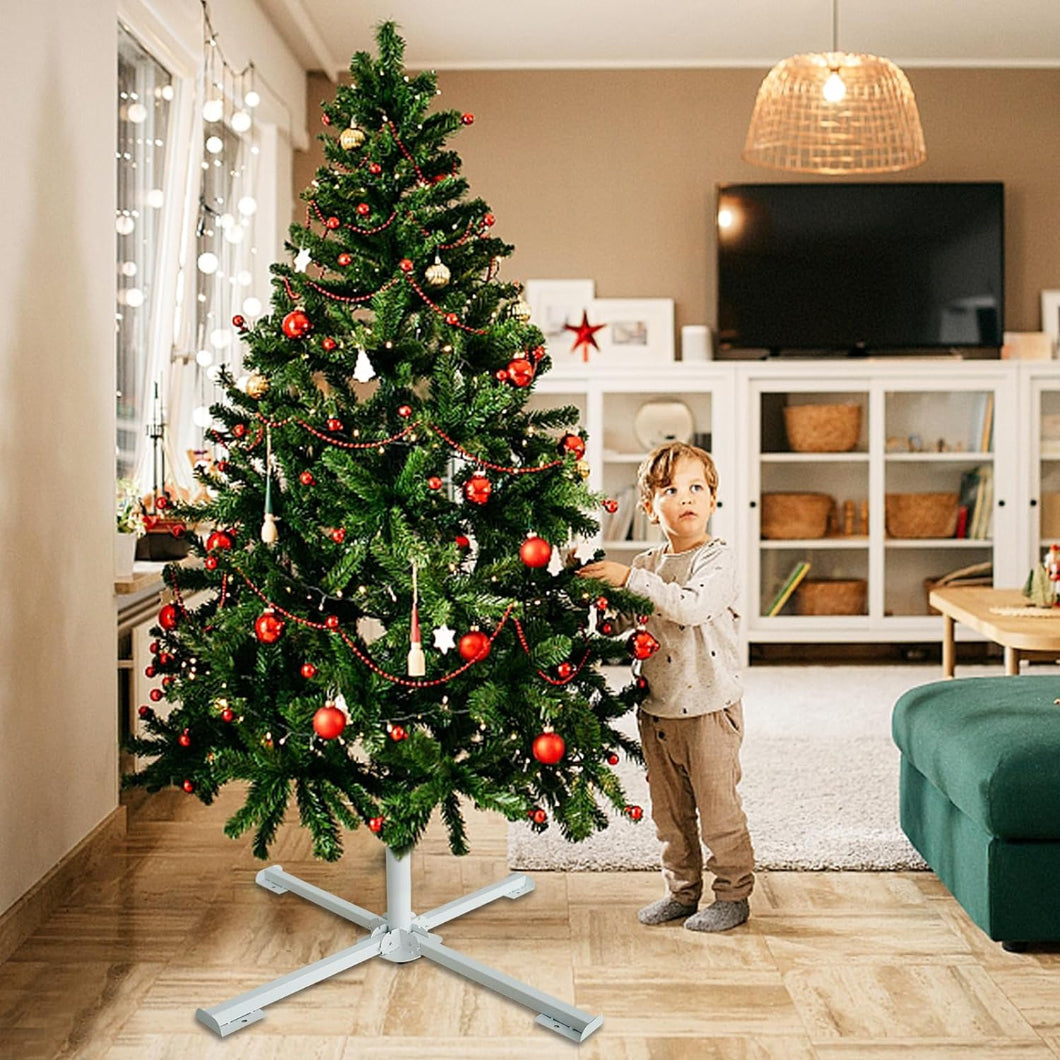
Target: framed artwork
<point x="1051" y="315"/>
<point x="554" y="303"/>
<point x="618" y="333"/>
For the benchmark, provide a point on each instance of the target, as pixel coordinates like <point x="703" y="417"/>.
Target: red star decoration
<point x="585" y="335"/>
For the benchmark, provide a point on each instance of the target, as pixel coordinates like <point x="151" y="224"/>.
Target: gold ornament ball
<point x="351" y="138"/>
<point x="257" y="385"/>
<point x="521" y="310"/>
<point x="583" y="469"/>
<point x="437" y="275"/>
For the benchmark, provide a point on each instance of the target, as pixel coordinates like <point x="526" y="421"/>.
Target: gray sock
<point x="664" y="909"/>
<point x="719" y="916"/>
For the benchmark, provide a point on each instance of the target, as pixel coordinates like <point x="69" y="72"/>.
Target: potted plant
<point x="129" y="525"/>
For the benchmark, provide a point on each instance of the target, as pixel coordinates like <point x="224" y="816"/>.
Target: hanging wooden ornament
<point x="363" y="370"/>
<point x="417" y="663"/>
<point x="269" y="534"/>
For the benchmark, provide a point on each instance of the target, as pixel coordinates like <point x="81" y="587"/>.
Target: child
<point x="691" y="723"/>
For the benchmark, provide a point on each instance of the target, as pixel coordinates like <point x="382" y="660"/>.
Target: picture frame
<point x="554" y="303"/>
<point x="1051" y="316"/>
<point x="632" y="333"/>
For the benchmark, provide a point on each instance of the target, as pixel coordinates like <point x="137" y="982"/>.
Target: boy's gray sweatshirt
<point x="697" y="667"/>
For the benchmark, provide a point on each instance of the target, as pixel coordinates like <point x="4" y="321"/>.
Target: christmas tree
<point x="392" y="620"/>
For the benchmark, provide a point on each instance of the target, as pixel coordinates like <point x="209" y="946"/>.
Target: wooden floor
<point x="837" y="965"/>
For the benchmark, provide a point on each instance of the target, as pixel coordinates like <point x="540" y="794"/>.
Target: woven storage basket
<point x="787" y="515"/>
<point x="921" y="514"/>
<point x="831" y="596"/>
<point x="822" y="428"/>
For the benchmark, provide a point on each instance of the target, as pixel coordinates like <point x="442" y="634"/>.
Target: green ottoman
<point x="980" y="797"/>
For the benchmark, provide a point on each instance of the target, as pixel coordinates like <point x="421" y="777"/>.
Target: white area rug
<point x="820" y="777"/>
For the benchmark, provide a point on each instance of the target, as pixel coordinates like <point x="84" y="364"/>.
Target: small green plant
<point x="129" y="512"/>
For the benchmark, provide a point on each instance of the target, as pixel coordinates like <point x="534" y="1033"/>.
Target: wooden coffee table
<point x="1015" y="633"/>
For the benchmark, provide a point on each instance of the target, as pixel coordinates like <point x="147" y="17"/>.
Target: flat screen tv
<point x="856" y="268"/>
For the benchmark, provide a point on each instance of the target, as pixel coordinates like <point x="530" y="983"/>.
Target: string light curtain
<point x="835" y="113"/>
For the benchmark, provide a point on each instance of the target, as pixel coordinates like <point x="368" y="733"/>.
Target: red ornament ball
<point x="501" y="375"/>
<point x="363" y="209"/>
<point x="306" y="478"/>
<point x="404" y="411"/>
<point x="145" y="711"/>
<point x="571" y="443"/>
<point x="325" y="119"/>
<point x="332" y="621"/>
<point x="334" y="424"/>
<point x="328" y="722"/>
<point x="227" y="714"/>
<point x="345" y="258"/>
<point x="155" y="695"/>
<point x="309" y="671"/>
<point x="239" y="321"/>
<point x="332" y="223"/>
<point x="535" y="552"/>
<point x="218" y="539"/>
<point x="601" y="603"/>
<point x="474" y="646"/>
<point x="375" y="824"/>
<point x="153" y="647"/>
<point x="188" y="786"/>
<point x="477" y="489"/>
<point x="296" y="324"/>
<point x="642" y="683"/>
<point x="434" y="482"/>
<point x="161" y="502"/>
<point x="607" y="628"/>
<point x="168" y="680"/>
<point x="538" y="816"/>
<point x="462" y="541"/>
<point x="643" y="645"/>
<point x="397" y="733"/>
<point x="184" y="739"/>
<point x="222" y="466"/>
<point x="520" y="372"/>
<point x="239" y="430"/>
<point x="168" y="617"/>
<point x="612" y="759"/>
<point x="452" y="319"/>
<point x="611" y="505"/>
<point x="328" y="343"/>
<point x="210" y="563"/>
<point x="268" y="628"/>
<point x="634" y="813"/>
<point x="338" y="535"/>
<point x="537" y="353"/>
<point x="177" y="530"/>
<point x="549" y="748"/>
<point x="489" y="219"/>
<point x="406" y="265"/>
<point x="149" y="671"/>
<point x="375" y="169"/>
<point x="564" y="670"/>
<point x="467" y="119"/>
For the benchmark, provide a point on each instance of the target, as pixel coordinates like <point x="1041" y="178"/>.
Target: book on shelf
<point x="798" y="572"/>
<point x="983" y="424"/>
<point x="979" y="525"/>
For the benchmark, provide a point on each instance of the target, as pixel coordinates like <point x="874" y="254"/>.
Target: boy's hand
<point x="606" y="570"/>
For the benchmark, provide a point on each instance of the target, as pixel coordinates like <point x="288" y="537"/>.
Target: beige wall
<point x="58" y="688"/>
<point x="610" y="174"/>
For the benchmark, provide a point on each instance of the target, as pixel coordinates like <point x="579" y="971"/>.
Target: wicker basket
<point x="831" y="596"/>
<point x="822" y="428"/>
<point x="795" y="515"/>
<point x="921" y="514"/>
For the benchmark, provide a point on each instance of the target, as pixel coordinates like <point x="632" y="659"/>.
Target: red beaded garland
<point x="477" y="489"/>
<point x="296" y="324"/>
<point x="474" y="646"/>
<point x="268" y="628"/>
<point x="549" y="748"/>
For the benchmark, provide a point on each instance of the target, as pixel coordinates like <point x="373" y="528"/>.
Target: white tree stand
<point x="397" y="936"/>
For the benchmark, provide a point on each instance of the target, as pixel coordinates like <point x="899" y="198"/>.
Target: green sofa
<point x="980" y="797"/>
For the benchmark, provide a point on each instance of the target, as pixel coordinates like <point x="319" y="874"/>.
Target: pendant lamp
<point x="835" y="113"/>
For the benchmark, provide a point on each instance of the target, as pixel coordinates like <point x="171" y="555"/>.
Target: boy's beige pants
<point x="694" y="764"/>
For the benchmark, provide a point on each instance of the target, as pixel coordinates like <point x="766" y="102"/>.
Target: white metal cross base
<point x="397" y="936"/>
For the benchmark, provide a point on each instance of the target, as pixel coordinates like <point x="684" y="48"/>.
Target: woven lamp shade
<point x="874" y="128"/>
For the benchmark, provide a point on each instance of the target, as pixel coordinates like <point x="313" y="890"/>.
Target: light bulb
<point x="133" y="297"/>
<point x="234" y="234"/>
<point x="252" y="99"/>
<point x="247" y="206"/>
<point x="124" y="225"/>
<point x="240" y="121"/>
<point x="834" y="89"/>
<point x="167" y="92"/>
<point x="201" y="417"/>
<point x="213" y="373"/>
<point x="207" y="263"/>
<point x="137" y="113"/>
<point x="155" y="198"/>
<point x="215" y="145"/>
<point x="220" y="338"/>
<point x="725" y="217"/>
<point x="129" y="268"/>
<point x="252" y="306"/>
<point x="213" y="110"/>
<point x="244" y="278"/>
<point x="204" y="358"/>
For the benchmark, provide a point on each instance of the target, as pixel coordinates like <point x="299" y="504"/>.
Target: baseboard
<point x="41" y="900"/>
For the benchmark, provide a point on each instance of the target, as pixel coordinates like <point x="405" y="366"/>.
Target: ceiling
<point x="507" y="34"/>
